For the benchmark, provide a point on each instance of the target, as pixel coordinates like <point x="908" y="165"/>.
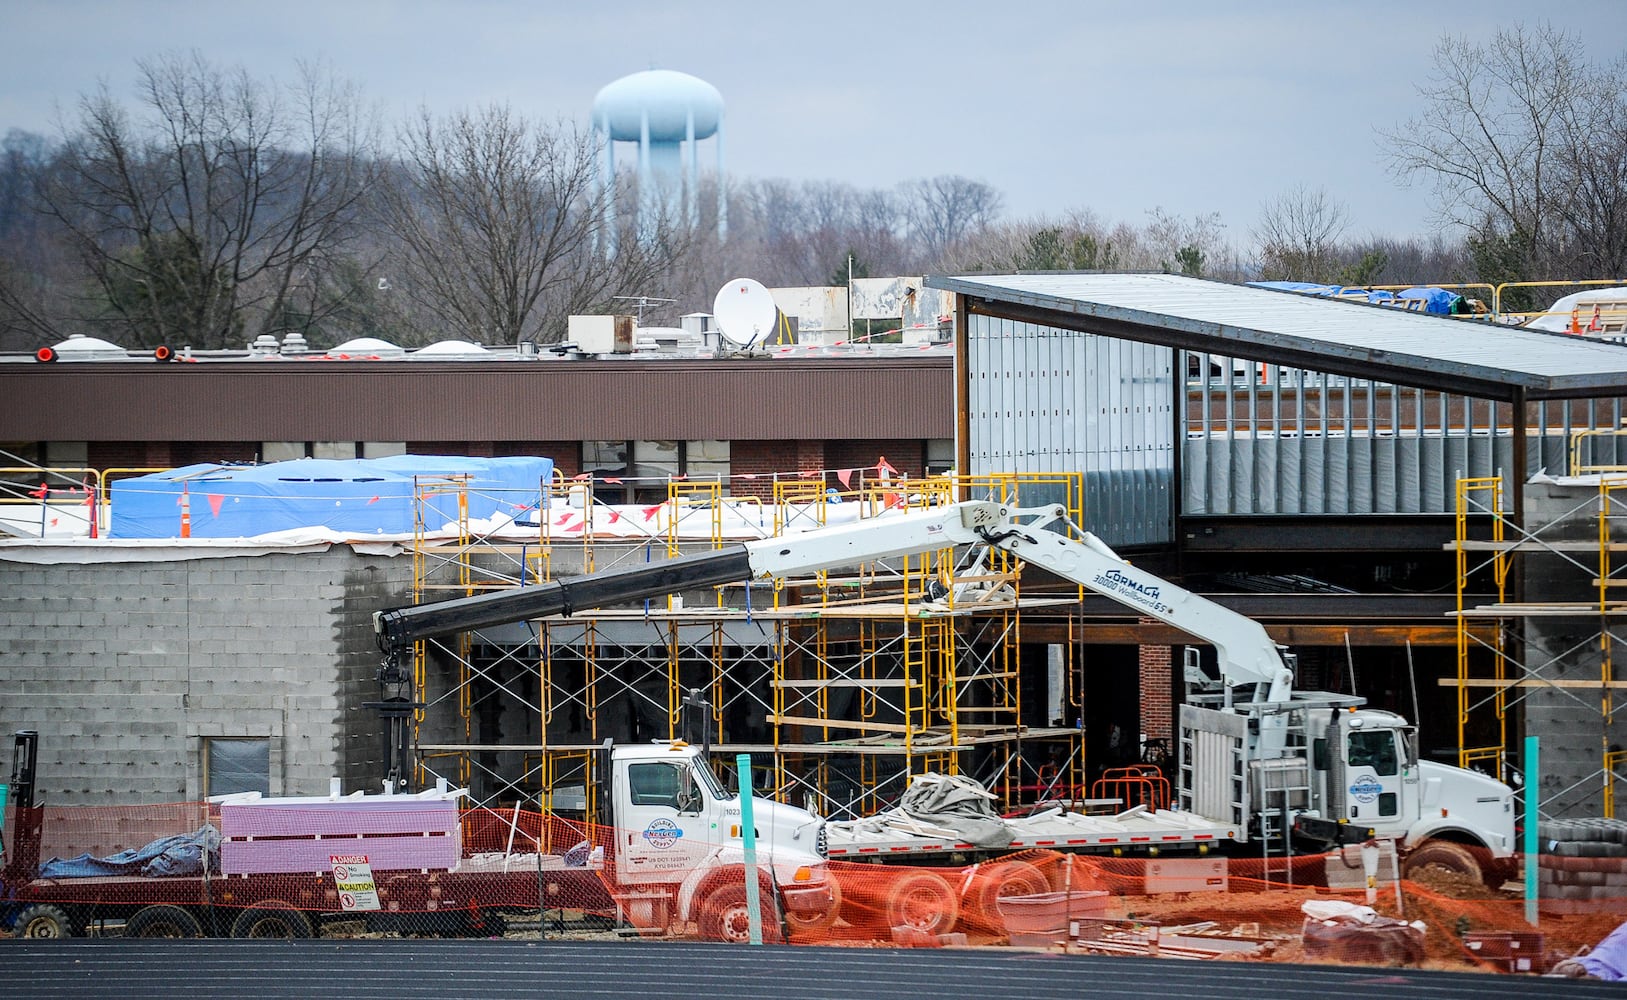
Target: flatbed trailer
<point x="475" y="899"/>
<point x="1135" y="830"/>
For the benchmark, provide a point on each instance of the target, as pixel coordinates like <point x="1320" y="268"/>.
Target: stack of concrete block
<point x="1583" y="865"/>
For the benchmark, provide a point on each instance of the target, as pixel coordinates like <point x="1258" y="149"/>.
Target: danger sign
<point x="353" y="877"/>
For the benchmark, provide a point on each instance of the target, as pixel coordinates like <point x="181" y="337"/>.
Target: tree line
<point x="215" y="207"/>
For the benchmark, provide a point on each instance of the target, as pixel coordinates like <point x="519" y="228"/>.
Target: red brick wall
<point x="907" y="457"/>
<point x="1157" y="697"/>
<point x="765" y="459"/>
<point x="167" y="454"/>
<point x="567" y="455"/>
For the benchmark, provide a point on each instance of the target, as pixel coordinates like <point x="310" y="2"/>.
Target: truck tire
<point x="818" y="921"/>
<point x="162" y="922"/>
<point x="1446" y="854"/>
<point x="981" y="902"/>
<point x="725" y="916"/>
<point x="923" y="901"/>
<point x="42" y="920"/>
<point x="272" y="919"/>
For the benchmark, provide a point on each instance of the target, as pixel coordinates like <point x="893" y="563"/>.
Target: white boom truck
<point x="1262" y="762"/>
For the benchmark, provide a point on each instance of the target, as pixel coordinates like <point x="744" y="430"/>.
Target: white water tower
<point x="667" y="114"/>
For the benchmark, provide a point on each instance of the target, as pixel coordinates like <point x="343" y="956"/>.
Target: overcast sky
<point x="1116" y="106"/>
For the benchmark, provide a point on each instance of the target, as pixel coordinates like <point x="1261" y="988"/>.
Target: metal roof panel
<point x="1353" y="338"/>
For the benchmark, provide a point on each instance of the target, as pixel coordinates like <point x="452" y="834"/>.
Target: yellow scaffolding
<point x="1488" y="628"/>
<point x="847" y="684"/>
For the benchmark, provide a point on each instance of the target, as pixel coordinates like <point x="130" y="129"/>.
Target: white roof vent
<point x="366" y="347"/>
<point x="79" y="347"/>
<point x="451" y="349"/>
<point x="265" y="345"/>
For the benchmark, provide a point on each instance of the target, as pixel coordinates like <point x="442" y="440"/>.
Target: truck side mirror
<point x="689" y="797"/>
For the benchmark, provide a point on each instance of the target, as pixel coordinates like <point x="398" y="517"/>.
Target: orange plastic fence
<point x="521" y="872"/>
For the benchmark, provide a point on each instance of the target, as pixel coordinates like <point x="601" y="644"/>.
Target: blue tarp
<point x="182" y="854"/>
<point x="1608" y="959"/>
<point x="357" y="497"/>
<point x="1436" y="300"/>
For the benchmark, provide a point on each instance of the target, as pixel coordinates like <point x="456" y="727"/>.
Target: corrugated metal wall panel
<point x="1358" y="449"/>
<point x="1041" y="399"/>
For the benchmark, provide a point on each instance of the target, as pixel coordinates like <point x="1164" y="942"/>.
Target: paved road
<point x="441" y="970"/>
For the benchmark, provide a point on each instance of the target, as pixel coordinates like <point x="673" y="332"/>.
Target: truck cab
<point x="678" y="837"/>
<point x="1366" y="768"/>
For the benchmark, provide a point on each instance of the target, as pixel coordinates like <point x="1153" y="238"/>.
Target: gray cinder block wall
<point x="126" y="668"/>
<point x="1570" y="722"/>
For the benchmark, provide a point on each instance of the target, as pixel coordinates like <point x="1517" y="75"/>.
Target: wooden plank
<point x="889" y="682"/>
<point x="1529" y="682"/>
<point x="870" y="727"/>
<point x="1528" y="545"/>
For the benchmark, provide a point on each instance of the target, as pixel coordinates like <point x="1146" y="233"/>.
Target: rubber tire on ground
<point x="724" y="916"/>
<point x="42" y="920"/>
<point x="924" y="901"/>
<point x="1447" y="854"/>
<point x="272" y="919"/>
<point x="981" y="902"/>
<point x="818" y="921"/>
<point x="162" y="922"/>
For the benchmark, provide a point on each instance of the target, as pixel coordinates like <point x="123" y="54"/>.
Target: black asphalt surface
<point x="444" y="969"/>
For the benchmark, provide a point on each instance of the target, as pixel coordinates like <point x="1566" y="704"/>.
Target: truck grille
<point x="822" y="843"/>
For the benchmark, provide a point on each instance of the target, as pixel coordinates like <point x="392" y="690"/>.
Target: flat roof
<point x="1357" y="339"/>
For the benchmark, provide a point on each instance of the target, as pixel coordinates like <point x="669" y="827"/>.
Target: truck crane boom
<point x="1246" y="654"/>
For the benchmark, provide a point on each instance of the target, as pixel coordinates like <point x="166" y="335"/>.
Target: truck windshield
<point x="709" y="779"/>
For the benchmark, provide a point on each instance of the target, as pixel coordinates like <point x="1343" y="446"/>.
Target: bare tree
<point x="946" y="209"/>
<point x="1494" y="142"/>
<point x="206" y="218"/>
<point x="500" y="229"/>
<point x="1592" y="170"/>
<point x="1298" y="233"/>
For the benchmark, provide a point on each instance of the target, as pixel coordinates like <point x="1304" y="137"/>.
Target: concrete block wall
<point x="1570" y="722"/>
<point x="126" y="668"/>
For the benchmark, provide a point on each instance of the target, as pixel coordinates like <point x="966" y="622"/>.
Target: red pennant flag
<point x="215" y="500"/>
<point x="612" y="479"/>
<point x="615" y="515"/>
<point x="845" y="476"/>
<point x="373" y="501"/>
<point x="40" y="493"/>
<point x="650" y="512"/>
<point x="582" y="475"/>
<point x="678" y="477"/>
<point x="808" y="473"/>
<point x="747" y="475"/>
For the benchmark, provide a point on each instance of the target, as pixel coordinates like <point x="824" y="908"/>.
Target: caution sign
<point x="353" y="877"/>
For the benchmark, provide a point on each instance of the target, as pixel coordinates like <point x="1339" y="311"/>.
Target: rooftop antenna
<point x="642" y="302"/>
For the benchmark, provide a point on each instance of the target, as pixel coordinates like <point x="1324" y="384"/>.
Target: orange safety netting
<point x="420" y="867"/>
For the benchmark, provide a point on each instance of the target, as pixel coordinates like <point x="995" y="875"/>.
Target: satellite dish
<point x="746" y="315"/>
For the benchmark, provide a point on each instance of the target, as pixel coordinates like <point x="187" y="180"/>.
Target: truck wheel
<point x="821" y="920"/>
<point x="923" y="901"/>
<point x="42" y="920"/>
<point x="162" y="922"/>
<point x="993" y="883"/>
<point x="1454" y="857"/>
<point x="272" y="919"/>
<point x="725" y="917"/>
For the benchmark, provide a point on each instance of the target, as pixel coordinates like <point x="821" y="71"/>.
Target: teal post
<point x="748" y="843"/>
<point x="1531" y="779"/>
